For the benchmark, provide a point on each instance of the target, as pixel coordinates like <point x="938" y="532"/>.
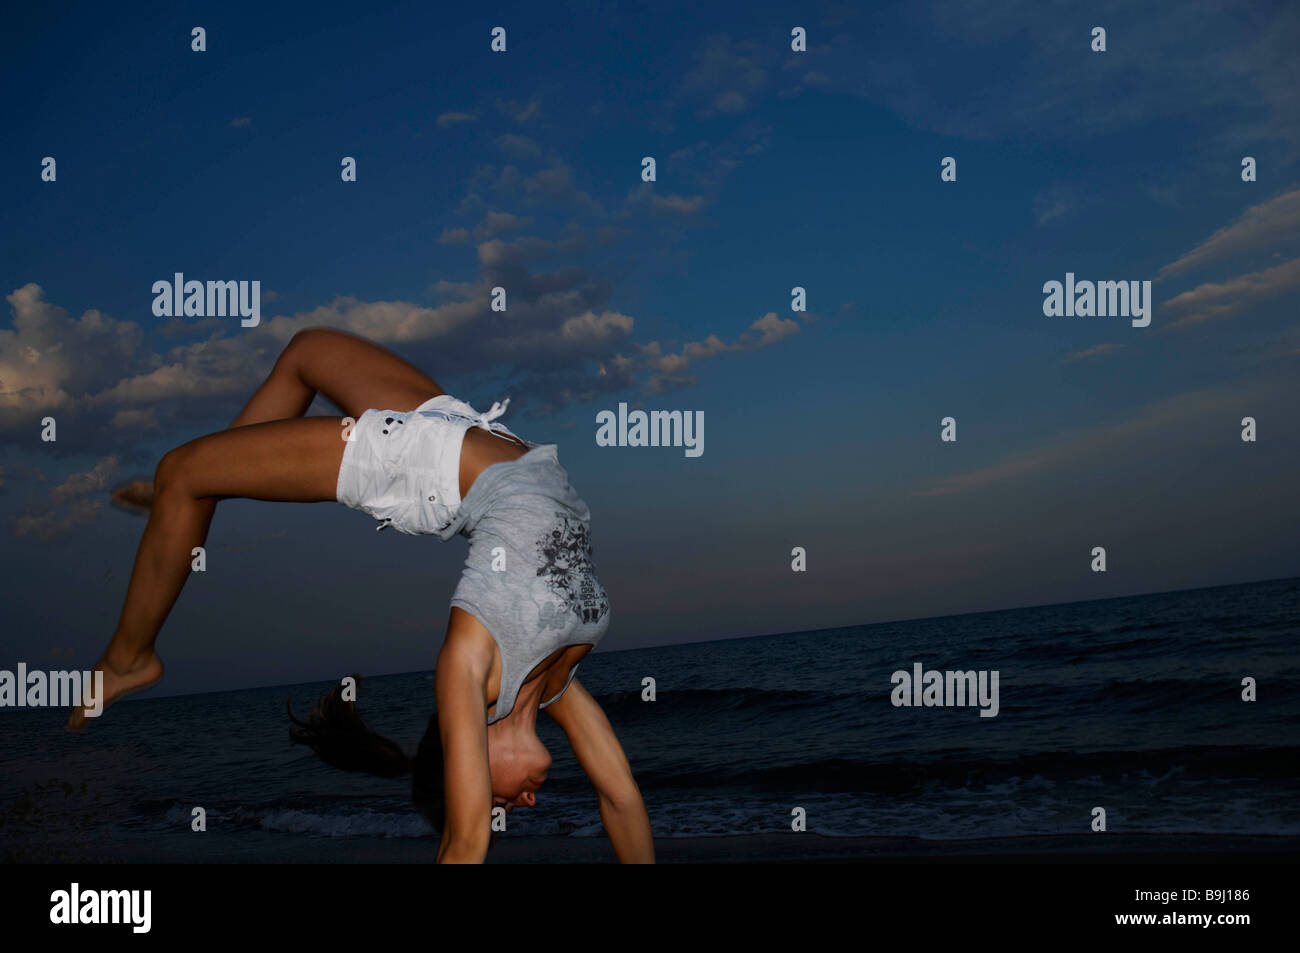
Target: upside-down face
<point x="518" y="769"/>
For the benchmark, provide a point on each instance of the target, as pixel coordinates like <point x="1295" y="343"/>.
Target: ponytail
<point x="342" y="739"/>
<point x="336" y="732"/>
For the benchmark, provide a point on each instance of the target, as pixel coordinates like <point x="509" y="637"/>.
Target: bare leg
<point x="270" y="452"/>
<point x="353" y="373"/>
<point x="291" y="460"/>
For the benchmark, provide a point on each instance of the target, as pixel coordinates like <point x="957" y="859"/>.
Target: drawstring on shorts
<point x="483" y="420"/>
<point x="498" y="408"/>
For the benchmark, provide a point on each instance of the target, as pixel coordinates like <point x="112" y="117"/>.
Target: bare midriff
<point x="482" y="449"/>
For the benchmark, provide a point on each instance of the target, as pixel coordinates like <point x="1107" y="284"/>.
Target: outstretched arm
<point x="462" y="724"/>
<point x="597" y="749"/>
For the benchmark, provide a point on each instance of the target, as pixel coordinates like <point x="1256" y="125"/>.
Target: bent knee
<point x="172" y="475"/>
<point x="309" y="339"/>
<point x="306" y="349"/>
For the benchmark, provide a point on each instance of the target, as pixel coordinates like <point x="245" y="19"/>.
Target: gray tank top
<point x="529" y="576"/>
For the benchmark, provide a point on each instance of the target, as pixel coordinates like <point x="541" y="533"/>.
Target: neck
<point x="523" y="717"/>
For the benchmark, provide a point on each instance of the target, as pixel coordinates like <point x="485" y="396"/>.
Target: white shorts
<point x="403" y="468"/>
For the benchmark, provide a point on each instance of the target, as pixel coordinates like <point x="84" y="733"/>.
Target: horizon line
<point x="764" y="635"/>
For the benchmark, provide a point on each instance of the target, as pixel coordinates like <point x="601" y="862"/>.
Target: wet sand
<point x="1107" y="848"/>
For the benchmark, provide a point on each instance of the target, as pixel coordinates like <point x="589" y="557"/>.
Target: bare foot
<point x="141" y="673"/>
<point x="135" y="496"/>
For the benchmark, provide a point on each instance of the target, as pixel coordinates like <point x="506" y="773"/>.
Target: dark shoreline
<point x="258" y="847"/>
<point x="814" y="848"/>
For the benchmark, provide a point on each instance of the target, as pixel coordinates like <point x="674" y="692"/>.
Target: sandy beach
<point x="259" y="847"/>
<point x="814" y="848"/>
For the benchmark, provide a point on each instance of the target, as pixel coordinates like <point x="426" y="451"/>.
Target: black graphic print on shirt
<point x="566" y="566"/>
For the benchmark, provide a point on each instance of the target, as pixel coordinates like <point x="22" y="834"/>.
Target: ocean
<point x="1131" y="704"/>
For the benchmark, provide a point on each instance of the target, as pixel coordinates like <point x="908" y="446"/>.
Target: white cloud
<point x="1205" y="62"/>
<point x="1227" y="299"/>
<point x="49" y="360"/>
<point x="77" y="501"/>
<point x="766" y="330"/>
<point x="386" y="322"/>
<point x="1266" y="223"/>
<point x="1188" y="412"/>
<point x="1095" y="351"/>
<point x="669" y="370"/>
<point x="1053" y="203"/>
<point x="521" y="112"/>
<point x="453" y="118"/>
<point x="556" y="184"/>
<point x="137" y="420"/>
<point x="557" y="328"/>
<point x="519" y="147"/>
<point x="725" y="76"/>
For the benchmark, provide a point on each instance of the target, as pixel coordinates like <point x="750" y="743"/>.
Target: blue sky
<point x="775" y="169"/>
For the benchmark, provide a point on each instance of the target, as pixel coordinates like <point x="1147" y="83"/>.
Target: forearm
<point x="628" y="827"/>
<point x="462" y="728"/>
<point x="462" y="850"/>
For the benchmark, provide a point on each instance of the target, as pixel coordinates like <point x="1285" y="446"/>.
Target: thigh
<point x="294" y="460"/>
<point x="357" y="375"/>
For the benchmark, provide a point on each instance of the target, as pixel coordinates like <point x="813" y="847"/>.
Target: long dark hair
<point x="340" y="737"/>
